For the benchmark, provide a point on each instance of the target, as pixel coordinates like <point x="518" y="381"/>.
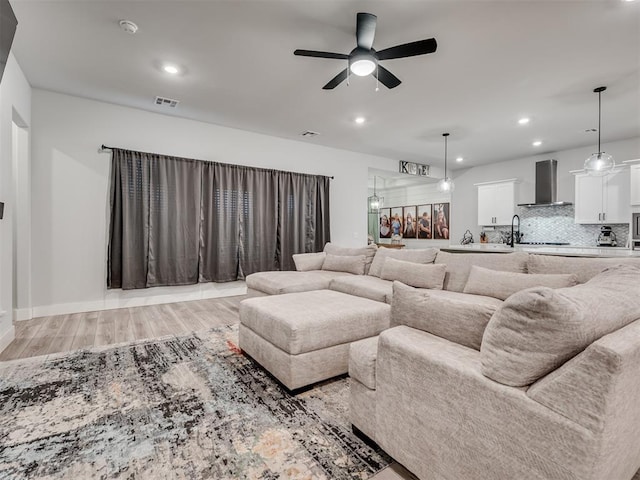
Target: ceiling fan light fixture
<point x="362" y="66"/>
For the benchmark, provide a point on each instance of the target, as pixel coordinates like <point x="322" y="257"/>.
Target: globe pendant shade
<point x="446" y="185"/>
<point x="599" y="164"/>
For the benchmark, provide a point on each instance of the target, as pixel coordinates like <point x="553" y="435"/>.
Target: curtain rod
<point x="104" y="148"/>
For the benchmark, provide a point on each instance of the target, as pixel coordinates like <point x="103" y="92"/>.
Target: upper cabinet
<point x="496" y="202"/>
<point x="603" y="199"/>
<point x="635" y="184"/>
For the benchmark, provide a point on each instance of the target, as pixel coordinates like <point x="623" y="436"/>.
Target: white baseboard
<point x="137" y="298"/>
<point x="20" y="314"/>
<point x="7" y="337"/>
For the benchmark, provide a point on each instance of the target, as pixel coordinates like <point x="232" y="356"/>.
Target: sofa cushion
<point x="369" y="252"/>
<point x="424" y="255"/>
<point x="459" y="265"/>
<point x="362" y="361"/>
<point x="500" y="285"/>
<point x="537" y="330"/>
<point x="414" y="274"/>
<point x="276" y="283"/>
<point x="364" y="286"/>
<point x="343" y="263"/>
<point x="583" y="268"/>
<point x="457" y="317"/>
<point x="306" y="262"/>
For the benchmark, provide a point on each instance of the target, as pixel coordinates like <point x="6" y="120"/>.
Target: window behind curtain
<point x="177" y="221"/>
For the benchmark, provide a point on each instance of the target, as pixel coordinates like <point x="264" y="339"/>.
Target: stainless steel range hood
<point x="546" y="185"/>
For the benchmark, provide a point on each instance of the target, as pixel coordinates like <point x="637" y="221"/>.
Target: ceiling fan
<point x="363" y="60"/>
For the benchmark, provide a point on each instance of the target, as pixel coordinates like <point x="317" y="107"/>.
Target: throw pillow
<point x="414" y="274"/>
<point x="537" y="330"/>
<point x="309" y="261"/>
<point x="424" y="255"/>
<point x="501" y="285"/>
<point x="459" y="265"/>
<point x="345" y="263"/>
<point x="369" y="252"/>
<point x="454" y="316"/>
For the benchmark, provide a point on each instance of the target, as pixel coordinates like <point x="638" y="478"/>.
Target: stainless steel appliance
<point x="546" y="185"/>
<point x="635" y="231"/>
<point x="607" y="237"/>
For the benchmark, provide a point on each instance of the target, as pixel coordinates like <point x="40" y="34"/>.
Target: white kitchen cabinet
<point x="603" y="199"/>
<point x="634" y="172"/>
<point x="496" y="202"/>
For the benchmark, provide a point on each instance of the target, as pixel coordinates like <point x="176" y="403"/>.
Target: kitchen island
<point x="565" y="250"/>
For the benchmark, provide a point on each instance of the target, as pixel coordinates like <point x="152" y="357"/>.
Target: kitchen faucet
<point x="513" y="234"/>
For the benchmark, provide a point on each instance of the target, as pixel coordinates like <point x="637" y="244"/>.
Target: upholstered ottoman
<point x="303" y="338"/>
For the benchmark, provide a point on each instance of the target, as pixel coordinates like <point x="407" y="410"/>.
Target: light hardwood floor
<point x="62" y="333"/>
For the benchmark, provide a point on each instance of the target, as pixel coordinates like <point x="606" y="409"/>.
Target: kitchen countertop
<point x="565" y="250"/>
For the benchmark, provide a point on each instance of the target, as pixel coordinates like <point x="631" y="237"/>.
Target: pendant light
<point x="445" y="185"/>
<point x="375" y="202"/>
<point x="600" y="163"/>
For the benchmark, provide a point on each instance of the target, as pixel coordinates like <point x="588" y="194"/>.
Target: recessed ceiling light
<point x="523" y="121"/>
<point x="360" y="120"/>
<point x="459" y="159"/>
<point x="172" y="69"/>
<point x="537" y="143"/>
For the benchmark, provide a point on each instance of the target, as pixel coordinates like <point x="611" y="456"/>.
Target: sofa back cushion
<point x="306" y="262"/>
<point x="414" y="274"/>
<point x="537" y="330"/>
<point x="345" y="263"/>
<point x="502" y="285"/>
<point x="454" y="316"/>
<point x="459" y="265"/>
<point x="424" y="255"/>
<point x="369" y="252"/>
<point x="583" y="268"/>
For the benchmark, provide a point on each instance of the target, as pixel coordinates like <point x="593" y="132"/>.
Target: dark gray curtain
<point x="127" y="262"/>
<point x="177" y="221"/>
<point x="239" y="227"/>
<point x="174" y="221"/>
<point x="303" y="215"/>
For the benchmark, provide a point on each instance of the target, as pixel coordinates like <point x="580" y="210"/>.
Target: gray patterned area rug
<point x="178" y="407"/>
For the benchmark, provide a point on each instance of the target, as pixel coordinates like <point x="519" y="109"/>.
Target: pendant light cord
<point x="599" y="118"/>
<point x="445" y="135"/>
<point x="599" y="91"/>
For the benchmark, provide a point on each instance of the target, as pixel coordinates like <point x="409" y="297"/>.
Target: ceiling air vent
<point x="309" y="134"/>
<point x="167" y="102"/>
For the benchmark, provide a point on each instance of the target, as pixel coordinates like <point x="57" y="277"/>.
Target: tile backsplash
<point x="556" y="224"/>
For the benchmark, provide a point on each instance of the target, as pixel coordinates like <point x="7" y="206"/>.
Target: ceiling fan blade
<point x="366" y="30"/>
<point x="421" y="47"/>
<point x="387" y="78"/>
<point x="315" y="53"/>
<point x="337" y="80"/>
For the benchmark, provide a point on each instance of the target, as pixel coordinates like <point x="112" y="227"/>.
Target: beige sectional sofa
<point x="497" y="374"/>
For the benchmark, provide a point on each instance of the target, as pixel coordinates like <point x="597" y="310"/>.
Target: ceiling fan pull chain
<point x="348" y="75"/>
<point x="377" y="78"/>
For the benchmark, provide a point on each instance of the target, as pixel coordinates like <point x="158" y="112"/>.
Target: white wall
<point x="15" y="105"/>
<point x="70" y="190"/>
<point x="464" y="208"/>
